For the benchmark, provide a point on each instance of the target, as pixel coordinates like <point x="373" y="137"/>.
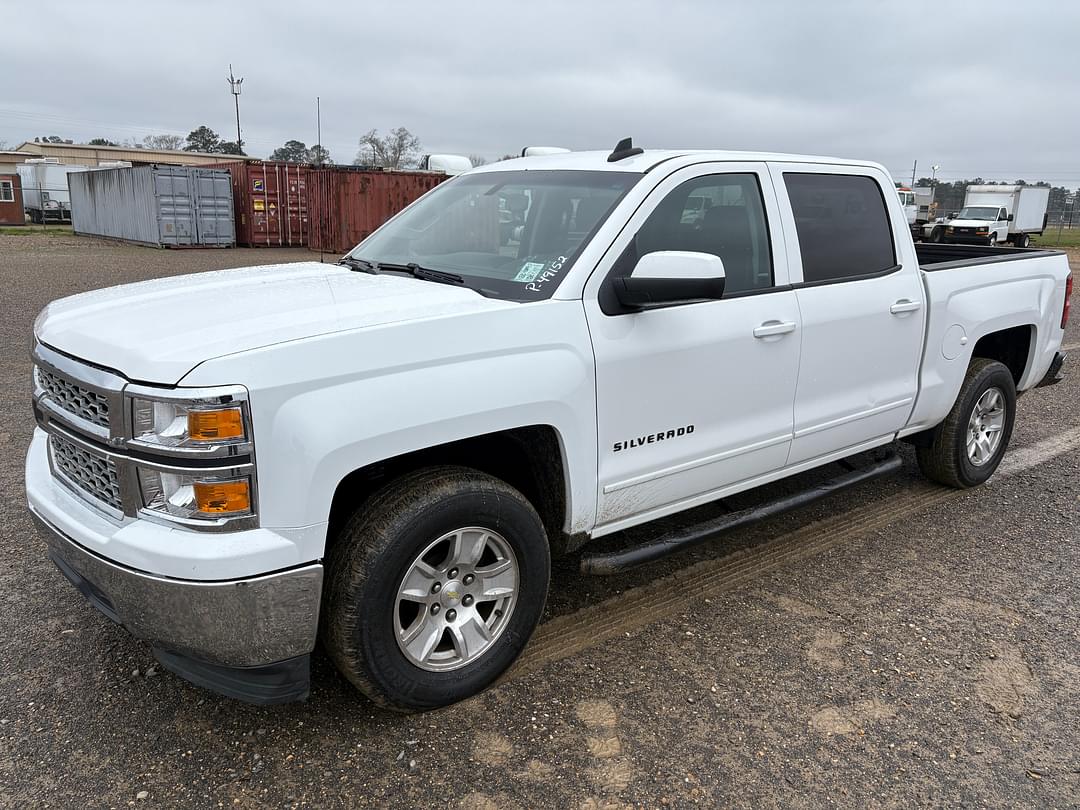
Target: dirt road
<point x="898" y="645"/>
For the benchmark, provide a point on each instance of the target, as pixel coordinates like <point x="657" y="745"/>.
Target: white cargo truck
<point x="45" y="189"/>
<point x="993" y="214"/>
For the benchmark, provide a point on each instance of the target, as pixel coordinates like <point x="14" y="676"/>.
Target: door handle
<point x="905" y="305"/>
<point x="770" y="328"/>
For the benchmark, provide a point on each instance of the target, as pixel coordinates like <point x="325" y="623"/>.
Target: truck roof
<point x="643" y="162"/>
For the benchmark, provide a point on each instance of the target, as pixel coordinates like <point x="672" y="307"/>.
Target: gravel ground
<point x="897" y="645"/>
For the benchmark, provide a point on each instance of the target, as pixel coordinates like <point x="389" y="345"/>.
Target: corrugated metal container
<point x="271" y="203"/>
<point x="348" y="204"/>
<point x="166" y="206"/>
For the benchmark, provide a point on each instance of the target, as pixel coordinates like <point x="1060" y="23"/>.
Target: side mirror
<point x="1010" y="217"/>
<point x="671" y="277"/>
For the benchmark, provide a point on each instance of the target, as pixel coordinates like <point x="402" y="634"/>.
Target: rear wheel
<point x="1022" y="240"/>
<point x="968" y="446"/>
<point x="435" y="588"/>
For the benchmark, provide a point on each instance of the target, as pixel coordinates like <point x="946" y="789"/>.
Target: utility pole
<point x="914" y="167"/>
<point x="318" y="126"/>
<point x="234" y="88"/>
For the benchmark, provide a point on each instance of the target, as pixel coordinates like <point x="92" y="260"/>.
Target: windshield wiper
<point x="363" y="265"/>
<point x="424" y="273"/>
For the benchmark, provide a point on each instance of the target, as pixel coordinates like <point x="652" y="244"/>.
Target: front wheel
<point x="968" y="446"/>
<point x="435" y="588"/>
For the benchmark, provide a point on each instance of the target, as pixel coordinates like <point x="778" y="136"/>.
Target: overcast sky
<point x="982" y="88"/>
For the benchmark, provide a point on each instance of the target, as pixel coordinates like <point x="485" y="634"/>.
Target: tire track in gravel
<point x="568" y="635"/>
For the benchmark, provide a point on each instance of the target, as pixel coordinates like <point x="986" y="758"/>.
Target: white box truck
<point x="45" y="189"/>
<point x="993" y="214"/>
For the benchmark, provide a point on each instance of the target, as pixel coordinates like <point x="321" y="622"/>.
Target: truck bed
<point x="937" y="256"/>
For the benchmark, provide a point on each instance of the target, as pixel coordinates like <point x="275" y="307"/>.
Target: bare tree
<point x="398" y="149"/>
<point x="477" y="160"/>
<point x="165" y="141"/>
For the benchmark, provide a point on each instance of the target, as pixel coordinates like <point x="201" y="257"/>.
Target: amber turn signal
<point x="220" y="497"/>
<point x="215" y="426"/>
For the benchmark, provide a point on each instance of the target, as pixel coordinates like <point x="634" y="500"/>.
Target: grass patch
<point x="1070" y="237"/>
<point x="30" y="230"/>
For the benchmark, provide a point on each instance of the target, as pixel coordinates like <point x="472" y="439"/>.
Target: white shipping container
<point x="1026" y="204"/>
<point x="166" y="206"/>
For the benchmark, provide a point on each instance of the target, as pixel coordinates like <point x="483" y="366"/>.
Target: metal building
<point x="164" y="206"/>
<point x="87" y="155"/>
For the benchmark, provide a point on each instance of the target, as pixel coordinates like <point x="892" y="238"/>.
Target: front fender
<point x="324" y="407"/>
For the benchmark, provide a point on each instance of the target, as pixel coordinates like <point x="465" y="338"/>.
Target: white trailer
<point x="45" y="189"/>
<point x="993" y="214"/>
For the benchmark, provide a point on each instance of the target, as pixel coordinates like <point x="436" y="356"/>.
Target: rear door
<point x="696" y="397"/>
<point x="861" y="300"/>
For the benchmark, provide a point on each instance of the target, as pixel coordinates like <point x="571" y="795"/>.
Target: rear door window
<point x="843" y="226"/>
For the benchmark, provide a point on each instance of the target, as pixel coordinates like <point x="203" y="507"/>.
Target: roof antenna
<point x="624" y="149"/>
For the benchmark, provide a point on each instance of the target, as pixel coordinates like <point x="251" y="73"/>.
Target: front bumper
<point x="247" y="638"/>
<point x="967" y="239"/>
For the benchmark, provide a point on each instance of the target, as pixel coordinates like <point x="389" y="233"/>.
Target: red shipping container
<point x="270" y="199"/>
<point x="347" y="204"/>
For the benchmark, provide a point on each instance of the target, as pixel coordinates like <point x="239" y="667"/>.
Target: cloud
<point x="947" y="83"/>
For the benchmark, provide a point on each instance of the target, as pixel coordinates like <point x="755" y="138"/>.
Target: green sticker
<point x="529" y="271"/>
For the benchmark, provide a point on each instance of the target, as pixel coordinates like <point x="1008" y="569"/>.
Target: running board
<point x="616" y="561"/>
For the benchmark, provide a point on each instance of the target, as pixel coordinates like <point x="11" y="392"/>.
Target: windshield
<point x="511" y="234"/>
<point x="978" y="212"/>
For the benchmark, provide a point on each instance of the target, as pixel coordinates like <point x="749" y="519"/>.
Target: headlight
<point x="209" y="422"/>
<point x="195" y="496"/>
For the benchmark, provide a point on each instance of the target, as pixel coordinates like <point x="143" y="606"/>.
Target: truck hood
<point x="971" y="223"/>
<point x="157" y="331"/>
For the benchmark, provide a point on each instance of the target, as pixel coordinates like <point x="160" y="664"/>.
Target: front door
<point x="694" y="398"/>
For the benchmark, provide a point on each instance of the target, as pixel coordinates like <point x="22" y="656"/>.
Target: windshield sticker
<point x="529" y="271"/>
<point x="552" y="272"/>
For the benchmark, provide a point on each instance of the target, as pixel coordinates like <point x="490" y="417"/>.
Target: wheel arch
<point x="532" y="459"/>
<point x="1013" y="347"/>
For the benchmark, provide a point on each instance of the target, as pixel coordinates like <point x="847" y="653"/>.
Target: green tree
<point x="101" y="142"/>
<point x="202" y="139"/>
<point x="318" y="155"/>
<point x="292" y="152"/>
<point x="229" y="148"/>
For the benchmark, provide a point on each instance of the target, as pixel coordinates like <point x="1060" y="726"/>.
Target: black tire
<point x="378" y="546"/>
<point x="945" y="459"/>
<point x="1022" y="240"/>
<point x="937" y="235"/>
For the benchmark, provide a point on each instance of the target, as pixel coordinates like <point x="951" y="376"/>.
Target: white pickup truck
<point x="384" y="453"/>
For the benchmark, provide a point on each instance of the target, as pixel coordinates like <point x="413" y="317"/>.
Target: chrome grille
<point x="73" y="398"/>
<point x="93" y="474"/>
